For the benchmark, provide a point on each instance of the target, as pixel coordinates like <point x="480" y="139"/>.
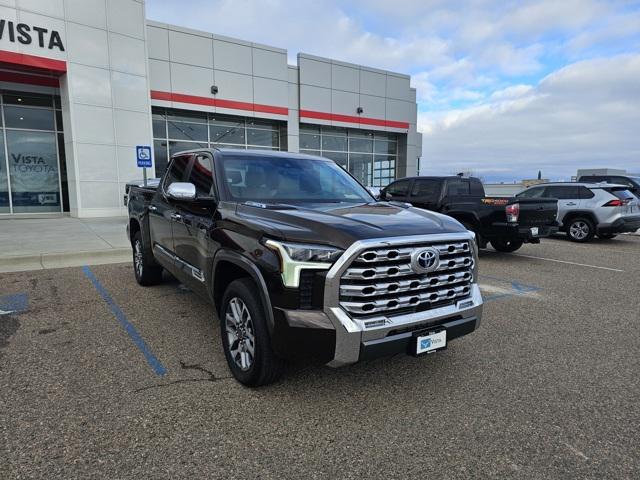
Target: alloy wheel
<point x="579" y="230"/>
<point x="240" y="333"/>
<point x="138" y="258"/>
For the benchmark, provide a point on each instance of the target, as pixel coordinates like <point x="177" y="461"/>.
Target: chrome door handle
<point x="153" y="208"/>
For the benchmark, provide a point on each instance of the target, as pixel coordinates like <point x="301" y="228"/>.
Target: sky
<point x="505" y="88"/>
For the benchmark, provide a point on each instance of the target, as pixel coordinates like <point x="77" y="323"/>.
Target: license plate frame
<point x="428" y="341"/>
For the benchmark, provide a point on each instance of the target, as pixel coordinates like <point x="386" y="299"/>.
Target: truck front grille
<point x="382" y="280"/>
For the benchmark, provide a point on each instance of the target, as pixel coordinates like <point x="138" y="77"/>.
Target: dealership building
<point x="83" y="82"/>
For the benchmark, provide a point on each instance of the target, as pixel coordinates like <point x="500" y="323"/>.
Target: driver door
<point x="194" y="223"/>
<point x="162" y="212"/>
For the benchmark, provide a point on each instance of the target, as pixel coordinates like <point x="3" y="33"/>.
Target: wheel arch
<point x="579" y="213"/>
<point x="229" y="266"/>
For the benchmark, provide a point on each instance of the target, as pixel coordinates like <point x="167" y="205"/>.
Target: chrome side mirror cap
<point x="182" y="191"/>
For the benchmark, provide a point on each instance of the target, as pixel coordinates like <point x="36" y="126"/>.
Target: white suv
<point x="588" y="209"/>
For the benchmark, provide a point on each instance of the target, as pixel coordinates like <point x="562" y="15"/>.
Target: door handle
<point x="153" y="208"/>
<point x="571" y="204"/>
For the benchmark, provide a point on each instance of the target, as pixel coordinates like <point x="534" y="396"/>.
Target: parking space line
<point x="135" y="336"/>
<point x="569" y="263"/>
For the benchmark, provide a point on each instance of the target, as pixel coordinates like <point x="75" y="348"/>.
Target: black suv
<point x="301" y="261"/>
<point x="633" y="183"/>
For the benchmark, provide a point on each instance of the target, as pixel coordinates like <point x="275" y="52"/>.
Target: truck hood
<point x="340" y="225"/>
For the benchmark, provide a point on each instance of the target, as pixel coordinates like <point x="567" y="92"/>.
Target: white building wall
<point x="116" y="60"/>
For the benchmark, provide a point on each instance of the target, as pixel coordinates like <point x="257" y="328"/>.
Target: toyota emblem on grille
<point x="426" y="260"/>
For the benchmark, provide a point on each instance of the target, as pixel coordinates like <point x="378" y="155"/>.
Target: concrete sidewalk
<point x="41" y="243"/>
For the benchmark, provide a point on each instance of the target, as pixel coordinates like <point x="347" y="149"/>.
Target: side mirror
<point x="182" y="191"/>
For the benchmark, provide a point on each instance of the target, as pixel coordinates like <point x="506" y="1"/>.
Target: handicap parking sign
<point x="143" y="155"/>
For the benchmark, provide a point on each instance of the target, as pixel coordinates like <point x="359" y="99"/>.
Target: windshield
<point x="290" y="180"/>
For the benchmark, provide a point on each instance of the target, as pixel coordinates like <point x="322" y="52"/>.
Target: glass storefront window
<point x="4" y="181"/>
<point x="226" y="134"/>
<point x="178" y="128"/>
<point x="33" y="170"/>
<point x="33" y="177"/>
<point x="369" y="155"/>
<point x="187" y="131"/>
<point x="334" y="143"/>
<point x="266" y="138"/>
<point x="29" y="118"/>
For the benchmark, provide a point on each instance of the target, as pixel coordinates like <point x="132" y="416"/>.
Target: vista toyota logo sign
<point x="28" y="34"/>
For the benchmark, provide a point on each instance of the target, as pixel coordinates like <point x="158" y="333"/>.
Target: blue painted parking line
<point x="16" y="303"/>
<point x="152" y="360"/>
<point x="517" y="288"/>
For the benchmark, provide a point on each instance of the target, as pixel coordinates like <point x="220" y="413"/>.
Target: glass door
<point x="30" y="180"/>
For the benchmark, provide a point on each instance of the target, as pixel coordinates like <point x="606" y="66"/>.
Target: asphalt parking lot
<point x="101" y="378"/>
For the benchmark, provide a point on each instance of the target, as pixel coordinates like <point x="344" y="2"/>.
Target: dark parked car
<point x="632" y="183"/>
<point x="506" y="223"/>
<point x="300" y="260"/>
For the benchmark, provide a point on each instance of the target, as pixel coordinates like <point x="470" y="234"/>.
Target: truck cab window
<point x="398" y="189"/>
<point x="202" y="176"/>
<point x="458" y="187"/>
<point x="426" y="189"/>
<point x="177" y="171"/>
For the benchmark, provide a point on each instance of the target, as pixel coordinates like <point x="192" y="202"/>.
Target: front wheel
<point x="146" y="270"/>
<point x="245" y="337"/>
<point x="581" y="230"/>
<point x="506" y="246"/>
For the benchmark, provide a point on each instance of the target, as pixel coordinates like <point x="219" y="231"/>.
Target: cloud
<point x="585" y="114"/>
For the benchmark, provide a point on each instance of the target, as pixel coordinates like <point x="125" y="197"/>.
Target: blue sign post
<point x="143" y="157"/>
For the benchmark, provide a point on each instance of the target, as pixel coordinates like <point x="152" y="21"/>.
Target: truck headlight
<point x="297" y="256"/>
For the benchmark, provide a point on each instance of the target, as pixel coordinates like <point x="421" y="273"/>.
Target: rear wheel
<point x="580" y="229"/>
<point x="146" y="270"/>
<point x="607" y="236"/>
<point x="245" y="337"/>
<point x="507" y="246"/>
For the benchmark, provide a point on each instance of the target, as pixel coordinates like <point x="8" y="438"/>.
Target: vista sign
<point x="26" y="34"/>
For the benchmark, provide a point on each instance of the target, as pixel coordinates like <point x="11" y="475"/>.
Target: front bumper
<point x="621" y="225"/>
<point x="357" y="339"/>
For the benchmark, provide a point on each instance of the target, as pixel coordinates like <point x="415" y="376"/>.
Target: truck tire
<point x="506" y="246"/>
<point x="146" y="270"/>
<point x="245" y="337"/>
<point x="580" y="229"/>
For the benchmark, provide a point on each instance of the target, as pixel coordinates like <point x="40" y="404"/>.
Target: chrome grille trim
<point x="377" y="306"/>
<point x="380" y="280"/>
<point x="355" y="290"/>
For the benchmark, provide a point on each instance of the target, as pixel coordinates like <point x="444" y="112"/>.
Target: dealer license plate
<point x="534" y="231"/>
<point x="430" y="342"/>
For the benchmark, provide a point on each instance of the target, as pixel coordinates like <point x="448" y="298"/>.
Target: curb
<point x="46" y="261"/>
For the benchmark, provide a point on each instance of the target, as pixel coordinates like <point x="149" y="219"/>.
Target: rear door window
<point x="563" y="192"/>
<point x="585" y="193"/>
<point x="536" y="192"/>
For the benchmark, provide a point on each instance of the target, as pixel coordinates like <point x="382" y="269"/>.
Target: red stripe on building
<point x="217" y="102"/>
<point x="335" y="117"/>
<point x="33" y="61"/>
<point x="29" y="79"/>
